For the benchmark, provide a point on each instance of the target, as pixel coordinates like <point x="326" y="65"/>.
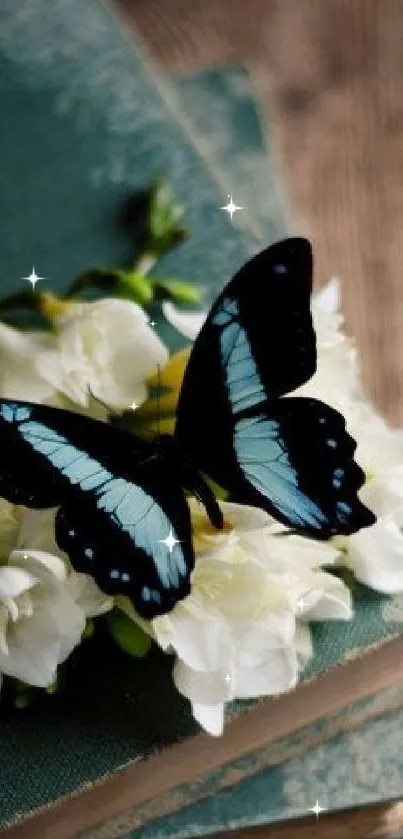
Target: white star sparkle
<point x="301" y="604"/>
<point x="317" y="809"/>
<point x="231" y="208"/>
<point x="33" y="278"/>
<point x="133" y="406"/>
<point x="169" y="541"/>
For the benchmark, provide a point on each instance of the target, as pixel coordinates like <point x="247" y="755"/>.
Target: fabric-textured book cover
<point x="228" y="127"/>
<point x="89" y="122"/>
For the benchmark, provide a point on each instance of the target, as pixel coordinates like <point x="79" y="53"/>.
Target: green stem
<point x="101" y="278"/>
<point x="145" y="262"/>
<point x="21" y="300"/>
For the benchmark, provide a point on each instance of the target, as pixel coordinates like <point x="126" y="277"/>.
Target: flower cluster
<point x="244" y="629"/>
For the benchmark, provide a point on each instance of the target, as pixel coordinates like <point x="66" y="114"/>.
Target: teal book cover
<point x="88" y="123"/>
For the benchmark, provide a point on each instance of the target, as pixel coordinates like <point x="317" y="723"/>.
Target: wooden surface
<point x="332" y="71"/>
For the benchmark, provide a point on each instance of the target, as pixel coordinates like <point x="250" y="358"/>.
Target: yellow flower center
<point x="53" y="307"/>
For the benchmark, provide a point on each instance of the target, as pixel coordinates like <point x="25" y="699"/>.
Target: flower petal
<point x="87" y="595"/>
<point x="205" y="688"/>
<point x="375" y="555"/>
<point x="202" y="643"/>
<point x="327" y="299"/>
<point x="37" y="532"/>
<point x="14" y="581"/>
<point x="37" y="644"/>
<point x="187" y="323"/>
<point x="210" y="717"/>
<point x="303" y="644"/>
<point x="277" y="675"/>
<point x="20" y="369"/>
<point x="9" y="523"/>
<point x="108" y="349"/>
<point x="46" y="567"/>
<point x="334" y="601"/>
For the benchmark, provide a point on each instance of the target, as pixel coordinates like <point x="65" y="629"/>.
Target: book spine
<point x="233" y="773"/>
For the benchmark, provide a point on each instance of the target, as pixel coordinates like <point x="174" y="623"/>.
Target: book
<point x="89" y="123"/>
<point x="224" y="116"/>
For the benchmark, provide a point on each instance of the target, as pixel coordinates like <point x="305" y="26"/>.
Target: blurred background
<point x="331" y="74"/>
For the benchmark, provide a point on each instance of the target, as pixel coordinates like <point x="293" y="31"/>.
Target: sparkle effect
<point x="133" y="406"/>
<point x="317" y="809"/>
<point x="169" y="541"/>
<point x="301" y="604"/>
<point x="231" y="208"/>
<point x="33" y="278"/>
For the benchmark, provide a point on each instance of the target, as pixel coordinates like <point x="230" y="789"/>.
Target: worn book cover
<point x="88" y="123"/>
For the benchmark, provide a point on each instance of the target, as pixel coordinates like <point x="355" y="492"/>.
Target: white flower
<point x="37" y="531"/>
<point x="40" y="623"/>
<point x="31" y="370"/>
<point x="236" y="635"/>
<point x="106" y="348"/>
<point x="336" y="380"/>
<point x="21" y="355"/>
<point x="375" y="554"/>
<point x="188" y="323"/>
<point x="43" y="603"/>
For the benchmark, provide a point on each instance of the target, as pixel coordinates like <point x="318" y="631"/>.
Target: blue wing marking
<point x="150" y="594"/>
<point x="244" y="384"/>
<point x="265" y="463"/>
<point x="129" y="506"/>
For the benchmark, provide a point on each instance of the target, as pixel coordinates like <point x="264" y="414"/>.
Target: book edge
<point x="89" y="812"/>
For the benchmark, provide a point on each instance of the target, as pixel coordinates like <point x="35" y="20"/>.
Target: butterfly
<point x="122" y="515"/>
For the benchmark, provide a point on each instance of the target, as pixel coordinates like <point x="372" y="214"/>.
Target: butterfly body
<point x="122" y="513"/>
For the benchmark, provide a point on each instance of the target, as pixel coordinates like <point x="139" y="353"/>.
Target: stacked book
<point x="89" y="122"/>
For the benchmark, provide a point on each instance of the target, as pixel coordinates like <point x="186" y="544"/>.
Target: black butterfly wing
<point x="117" y="503"/>
<point x="258" y="344"/>
<point x="298" y="464"/>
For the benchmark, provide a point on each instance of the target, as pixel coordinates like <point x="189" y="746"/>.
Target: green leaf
<point x="24" y="694"/>
<point x="165" y="215"/>
<point x="177" y="290"/>
<point x="127" y="634"/>
<point x="135" y="286"/>
<point x="105" y="279"/>
<point x="53" y="688"/>
<point x="89" y="628"/>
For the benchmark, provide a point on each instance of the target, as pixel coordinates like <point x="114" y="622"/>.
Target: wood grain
<point x="332" y="72"/>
